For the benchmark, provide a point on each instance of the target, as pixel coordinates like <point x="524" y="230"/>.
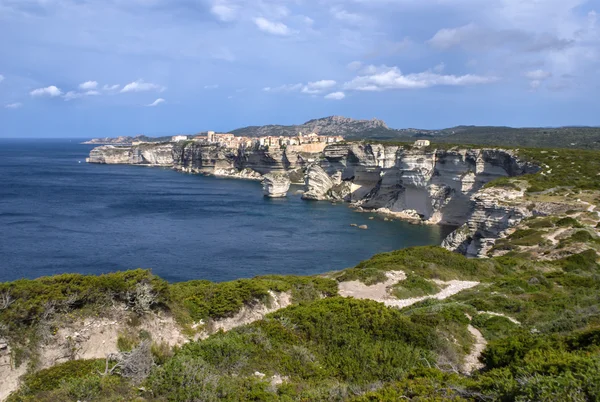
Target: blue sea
<point x="59" y="214"/>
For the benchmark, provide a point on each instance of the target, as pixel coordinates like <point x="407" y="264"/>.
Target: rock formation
<point x="275" y="185"/>
<point x="424" y="185"/>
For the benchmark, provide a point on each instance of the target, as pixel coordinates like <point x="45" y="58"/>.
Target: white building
<point x="177" y="138"/>
<point x="422" y="143"/>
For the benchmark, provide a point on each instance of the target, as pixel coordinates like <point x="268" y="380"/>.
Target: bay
<point x="59" y="214"/>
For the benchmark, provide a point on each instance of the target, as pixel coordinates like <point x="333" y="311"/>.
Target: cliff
<point x="432" y="186"/>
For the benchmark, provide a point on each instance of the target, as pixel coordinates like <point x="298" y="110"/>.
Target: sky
<point x="95" y="68"/>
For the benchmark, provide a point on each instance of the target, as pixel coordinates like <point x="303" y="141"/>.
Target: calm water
<point x="58" y="215"/>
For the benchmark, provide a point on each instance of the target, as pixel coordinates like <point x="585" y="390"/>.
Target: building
<point x="177" y="138"/>
<point x="422" y="143"/>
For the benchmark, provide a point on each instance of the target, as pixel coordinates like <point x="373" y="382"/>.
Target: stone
<point x="363" y="227"/>
<point x="275" y="185"/>
<point x="317" y="184"/>
<point x="354" y="225"/>
<point x="371" y="218"/>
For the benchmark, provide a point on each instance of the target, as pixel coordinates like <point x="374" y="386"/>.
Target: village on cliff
<point x="312" y="142"/>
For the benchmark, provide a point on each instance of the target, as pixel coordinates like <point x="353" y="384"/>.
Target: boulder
<point x="275" y="185"/>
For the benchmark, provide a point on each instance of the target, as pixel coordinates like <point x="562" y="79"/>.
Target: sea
<point x="59" y="214"/>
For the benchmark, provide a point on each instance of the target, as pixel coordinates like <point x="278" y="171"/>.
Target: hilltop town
<point x="312" y="142"/>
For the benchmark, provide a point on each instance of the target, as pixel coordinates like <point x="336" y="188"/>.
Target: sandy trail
<point x="554" y="235"/>
<point x="471" y="362"/>
<point x="380" y="291"/>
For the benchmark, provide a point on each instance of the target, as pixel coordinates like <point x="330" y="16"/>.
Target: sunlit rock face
<point x="318" y="184"/>
<point x="275" y="185"/>
<point x="433" y="186"/>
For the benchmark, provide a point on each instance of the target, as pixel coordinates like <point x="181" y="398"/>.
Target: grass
<point x="414" y="286"/>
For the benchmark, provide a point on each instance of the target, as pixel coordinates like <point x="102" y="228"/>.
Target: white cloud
<point x="51" y="91"/>
<point x="440" y="68"/>
<point x="214" y="86"/>
<point x="72" y="95"/>
<point x="140" y="86"/>
<point x="477" y="37"/>
<point x="1" y="78"/>
<point x="538" y="75"/>
<point x="354" y="66"/>
<point x="450" y="37"/>
<point x="336" y="96"/>
<point x="15" y="105"/>
<point x="384" y="78"/>
<point x="284" y="88"/>
<point x="318" y="86"/>
<point x="156" y="102"/>
<point x="224" y="11"/>
<point x="76" y="95"/>
<point x="272" y="27"/>
<point x="88" y="85"/>
<point x="111" y="87"/>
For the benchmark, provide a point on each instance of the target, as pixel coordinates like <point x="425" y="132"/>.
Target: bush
<point x="414" y="286"/>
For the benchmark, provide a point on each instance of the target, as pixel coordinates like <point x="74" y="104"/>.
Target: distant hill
<point x="125" y="140"/>
<point x="333" y="125"/>
<point x="374" y="129"/>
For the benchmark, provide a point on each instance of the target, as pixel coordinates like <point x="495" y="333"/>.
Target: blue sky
<point x="88" y="68"/>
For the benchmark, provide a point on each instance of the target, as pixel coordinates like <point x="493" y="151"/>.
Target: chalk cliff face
<point x="437" y="184"/>
<point x="275" y="185"/>
<point x="433" y="186"/>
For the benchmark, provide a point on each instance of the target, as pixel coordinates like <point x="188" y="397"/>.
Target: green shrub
<point x="568" y="222"/>
<point x="414" y="286"/>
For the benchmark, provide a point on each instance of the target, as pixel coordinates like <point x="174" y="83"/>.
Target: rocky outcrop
<point x="153" y="155"/>
<point x="436" y="184"/>
<point x="318" y="184"/>
<point x="494" y="211"/>
<point x="275" y="185"/>
<point x="426" y="185"/>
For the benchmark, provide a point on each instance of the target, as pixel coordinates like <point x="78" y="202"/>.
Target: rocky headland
<point x="428" y="185"/>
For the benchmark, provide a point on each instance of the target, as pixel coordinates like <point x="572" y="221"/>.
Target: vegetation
<point x="414" y="286"/>
<point x="546" y="347"/>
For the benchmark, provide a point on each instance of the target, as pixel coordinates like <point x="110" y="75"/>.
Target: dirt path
<point x="554" y="235"/>
<point x="472" y="362"/>
<point x="380" y="291"/>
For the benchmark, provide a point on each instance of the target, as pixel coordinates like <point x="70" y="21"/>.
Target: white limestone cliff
<point x="275" y="185"/>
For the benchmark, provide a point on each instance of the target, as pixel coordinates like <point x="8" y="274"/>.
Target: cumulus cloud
<point x="354" y="65"/>
<point x="76" y="95"/>
<point x="224" y="10"/>
<point x="318" y="86"/>
<point x="272" y="27"/>
<point x="385" y="78"/>
<point x="336" y="96"/>
<point x="476" y="37"/>
<point x="15" y="105"/>
<point x="141" y="86"/>
<point x="89" y="85"/>
<point x="537" y="77"/>
<point x="111" y="87"/>
<point x="51" y="91"/>
<point x="72" y="95"/>
<point x="156" y="102"/>
<point x="284" y="88"/>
